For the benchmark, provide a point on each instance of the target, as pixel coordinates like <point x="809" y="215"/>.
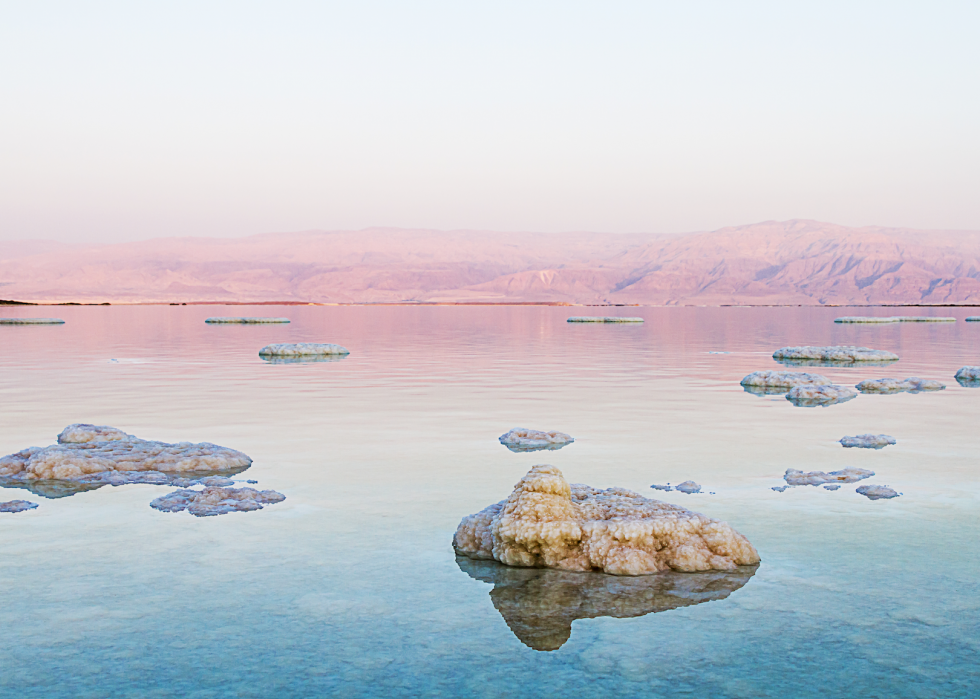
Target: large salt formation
<point x="540" y="604"/>
<point x="90" y="456"/>
<point x="31" y="321"/>
<point x="603" y="319"/>
<point x="296" y="350"/>
<point x="847" y="475"/>
<point x="776" y="382"/>
<point x="844" y="354"/>
<point x="910" y="385"/>
<point x="868" y="441"/>
<point x="214" y="501"/>
<point x="968" y="376"/>
<point x="245" y="320"/>
<point x="548" y="523"/>
<point x="809" y="396"/>
<point x="522" y="439"/>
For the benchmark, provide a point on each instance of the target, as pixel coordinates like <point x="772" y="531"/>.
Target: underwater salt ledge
<point x="548" y="523"/>
<point x="302" y="349"/>
<point x="31" y="321"/>
<point x="868" y="441"/>
<point x="17" y="506"/>
<point x="836" y="353"/>
<point x="809" y="396"/>
<point x="603" y="319"/>
<point x="522" y="439"/>
<point x="910" y="385"/>
<point x="244" y="320"/>
<point x="213" y="501"/>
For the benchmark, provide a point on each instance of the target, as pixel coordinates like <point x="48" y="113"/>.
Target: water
<point x="350" y="587"/>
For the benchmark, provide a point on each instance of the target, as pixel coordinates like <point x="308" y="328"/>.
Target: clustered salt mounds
<point x="214" y="501"/>
<point x="90" y="455"/>
<point x="847" y="475"/>
<point x="245" y="321"/>
<point x="895" y="319"/>
<point x="822" y="396"/>
<point x="523" y="439"/>
<point x="31" y="321"/>
<point x="540" y="604"/>
<point x="302" y="349"/>
<point x="968" y="375"/>
<point x="910" y="385"/>
<point x="603" y="319"/>
<point x="868" y="441"/>
<point x="877" y="492"/>
<point x="689" y="487"/>
<point x="775" y="382"/>
<point x="17" y="506"/>
<point x="843" y="354"/>
<point x="548" y="523"/>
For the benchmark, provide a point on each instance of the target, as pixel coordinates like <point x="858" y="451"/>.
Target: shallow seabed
<point x="350" y="587"/>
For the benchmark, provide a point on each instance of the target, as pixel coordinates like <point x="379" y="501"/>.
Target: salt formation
<point x="844" y="354"/>
<point x="895" y="319"/>
<point x="603" y="319"/>
<point x="90" y="456"/>
<point x="661" y="487"/>
<point x="547" y="523"/>
<point x="214" y="501"/>
<point x="31" y="321"/>
<point x="877" y="492"/>
<point x="540" y="604"/>
<point x="302" y="349"/>
<point x="780" y="488"/>
<point x="245" y="320"/>
<point x="831" y="487"/>
<point x="868" y="441"/>
<point x="973" y="319"/>
<point x="812" y="396"/>
<point x="910" y="385"/>
<point x="968" y="374"/>
<point x="17" y="506"/>
<point x="774" y="382"/>
<point x="847" y="475"/>
<point x="689" y="487"/>
<point x="523" y="439"/>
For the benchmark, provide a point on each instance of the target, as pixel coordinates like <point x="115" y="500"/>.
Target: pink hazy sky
<point x="124" y="121"/>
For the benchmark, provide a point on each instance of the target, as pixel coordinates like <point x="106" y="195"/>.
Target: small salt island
<point x="548" y="523"/>
<point x="522" y="439"/>
<point x="776" y="382"/>
<point x="895" y="319"/>
<point x="973" y="319"/>
<point x="31" y="321"/>
<point x="213" y="501"/>
<point x="868" y="441"/>
<point x="847" y="354"/>
<point x="17" y="506"/>
<point x="968" y="375"/>
<point x="877" y="492"/>
<point x="809" y="396"/>
<point x="847" y="475"/>
<point x="910" y="385"/>
<point x="603" y="319"/>
<point x="302" y="349"/>
<point x="244" y="321"/>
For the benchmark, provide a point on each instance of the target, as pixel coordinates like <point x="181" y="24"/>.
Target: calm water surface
<point x="350" y="587"/>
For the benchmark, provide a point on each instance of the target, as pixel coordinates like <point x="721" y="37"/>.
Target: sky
<point x="125" y="121"/>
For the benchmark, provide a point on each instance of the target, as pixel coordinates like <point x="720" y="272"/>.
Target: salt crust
<point x="968" y="373"/>
<point x="868" y="441"/>
<point x="301" y="349"/>
<point x="895" y="319"/>
<point x="774" y="382"/>
<point x="689" y="487"/>
<point x="246" y="320"/>
<point x="548" y="523"/>
<point x="847" y="475"/>
<point x="523" y="439"/>
<point x="540" y="604"/>
<point x="214" y="501"/>
<point x="813" y="396"/>
<point x="841" y="353"/>
<point x="877" y="492"/>
<point x="17" y="506"/>
<point x="603" y="319"/>
<point x="31" y="321"/>
<point x="82" y="433"/>
<point x="910" y="385"/>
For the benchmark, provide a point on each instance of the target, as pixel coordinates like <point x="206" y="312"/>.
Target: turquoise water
<point x="350" y="587"/>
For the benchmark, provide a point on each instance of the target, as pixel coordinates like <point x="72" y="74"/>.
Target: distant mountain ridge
<point x="788" y="262"/>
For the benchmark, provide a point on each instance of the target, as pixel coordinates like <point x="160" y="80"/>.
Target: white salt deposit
<point x="31" y="321"/>
<point x="548" y="523"/>
<point x="877" y="492"/>
<point x="895" y="319"/>
<point x="17" y="506"/>
<point x="847" y="475"/>
<point x="301" y="349"/>
<point x="603" y="319"/>
<point x="868" y="441"/>
<point x="81" y="433"/>
<point x="812" y="396"/>
<point x="214" y="501"/>
<point x="246" y="320"/>
<point x="842" y="353"/>
<point x="523" y="439"/>
<point x="689" y="487"/>
<point x="782" y="381"/>
<point x="910" y="385"/>
<point x="968" y="373"/>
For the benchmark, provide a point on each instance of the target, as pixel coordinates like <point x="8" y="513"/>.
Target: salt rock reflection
<point x="540" y="604"/>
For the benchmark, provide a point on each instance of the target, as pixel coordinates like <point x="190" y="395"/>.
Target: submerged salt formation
<point x="842" y="354"/>
<point x="603" y="319"/>
<point x="831" y="487"/>
<point x="539" y="605"/>
<point x="548" y="523"/>
<point x="214" y="501"/>
<point x="895" y="319"/>
<point x="776" y="382"/>
<point x="90" y="456"/>
<point x="868" y="441"/>
<point x="814" y="396"/>
<point x="302" y="349"/>
<point x="17" y="506"/>
<point x="523" y="439"/>
<point x="31" y="321"/>
<point x="245" y="320"/>
<point x="877" y="492"/>
<point x="911" y="385"/>
<point x="847" y="475"/>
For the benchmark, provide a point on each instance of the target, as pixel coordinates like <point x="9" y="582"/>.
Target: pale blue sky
<point x="129" y="120"/>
